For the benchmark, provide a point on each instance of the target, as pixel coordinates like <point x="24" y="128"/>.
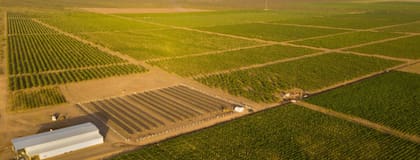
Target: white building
<point x="53" y="143"/>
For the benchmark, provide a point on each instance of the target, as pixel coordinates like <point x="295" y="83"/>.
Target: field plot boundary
<point x="287" y="43"/>
<point x="361" y="121"/>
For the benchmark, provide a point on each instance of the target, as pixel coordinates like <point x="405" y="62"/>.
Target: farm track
<point x="312" y="26"/>
<point x="361" y="121"/>
<point x="363" y="77"/>
<point x="323" y="51"/>
<point x="146" y="112"/>
<point x="210" y="53"/>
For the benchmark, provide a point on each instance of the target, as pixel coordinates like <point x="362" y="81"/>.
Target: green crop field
<point x="207" y="19"/>
<point x="26" y="25"/>
<point x="91" y="22"/>
<point x="401" y="48"/>
<point x="262" y="84"/>
<point x="274" y="32"/>
<point x="190" y="66"/>
<point x="392" y="99"/>
<point x="164" y="43"/>
<point x="345" y="40"/>
<point x="41" y="57"/>
<point x="414" y="27"/>
<point x="359" y="19"/>
<point x="288" y="132"/>
<point x="54" y="78"/>
<point x="40" y="53"/>
<point x="23" y="100"/>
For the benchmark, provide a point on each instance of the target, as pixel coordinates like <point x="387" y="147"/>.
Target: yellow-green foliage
<point x="29" y="99"/>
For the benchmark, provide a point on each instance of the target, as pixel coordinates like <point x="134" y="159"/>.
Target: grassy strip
<point x="288" y="132"/>
<point x="392" y="99"/>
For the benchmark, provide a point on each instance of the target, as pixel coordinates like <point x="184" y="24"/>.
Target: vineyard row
<point x="39" y="80"/>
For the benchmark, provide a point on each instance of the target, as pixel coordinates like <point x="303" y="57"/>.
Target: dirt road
<point x="361" y="121"/>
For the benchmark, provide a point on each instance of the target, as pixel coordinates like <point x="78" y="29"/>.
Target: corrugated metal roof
<point x="56" y="137"/>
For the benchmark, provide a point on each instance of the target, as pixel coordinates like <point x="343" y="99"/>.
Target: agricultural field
<point x="272" y="32"/>
<point x="76" y="22"/>
<point x="191" y="66"/>
<point x="391" y="99"/>
<point x="50" y="58"/>
<point x="18" y="82"/>
<point x="264" y="83"/>
<point x="411" y="28"/>
<point x="164" y="43"/>
<point x="212" y="18"/>
<point x="348" y="39"/>
<point x="364" y="18"/>
<point x="41" y="53"/>
<point x="142" y="114"/>
<point x="24" y="100"/>
<point x="270" y="134"/>
<point x="401" y="48"/>
<point x="19" y="25"/>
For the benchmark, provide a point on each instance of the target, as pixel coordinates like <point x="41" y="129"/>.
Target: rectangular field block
<point x="143" y="114"/>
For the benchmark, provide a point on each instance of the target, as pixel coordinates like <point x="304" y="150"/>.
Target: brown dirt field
<point x="142" y="10"/>
<point x="412" y="69"/>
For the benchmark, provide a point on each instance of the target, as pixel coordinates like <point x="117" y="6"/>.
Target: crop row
<point x="54" y="78"/>
<point x="38" y="53"/>
<point x="287" y="132"/>
<point x="17" y="26"/>
<point x="392" y="99"/>
<point x="262" y="84"/>
<point x="22" y="100"/>
<point x="145" y="111"/>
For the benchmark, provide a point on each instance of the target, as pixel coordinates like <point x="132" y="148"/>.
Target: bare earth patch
<point x="142" y="10"/>
<point x="412" y="69"/>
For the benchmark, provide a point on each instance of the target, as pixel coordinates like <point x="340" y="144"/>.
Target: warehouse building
<point x="60" y="141"/>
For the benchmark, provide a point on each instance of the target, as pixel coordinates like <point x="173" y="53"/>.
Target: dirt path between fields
<point x="323" y="51"/>
<point x="142" y="10"/>
<point x="361" y="121"/>
<point x="197" y="30"/>
<point x="312" y="26"/>
<point x="411" y="69"/>
<point x="363" y="77"/>
<point x="260" y="65"/>
<point x="210" y="53"/>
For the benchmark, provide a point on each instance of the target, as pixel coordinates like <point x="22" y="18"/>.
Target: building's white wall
<point x="71" y="148"/>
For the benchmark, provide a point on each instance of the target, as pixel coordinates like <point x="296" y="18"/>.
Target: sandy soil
<point x="412" y="69"/>
<point x="142" y="10"/>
